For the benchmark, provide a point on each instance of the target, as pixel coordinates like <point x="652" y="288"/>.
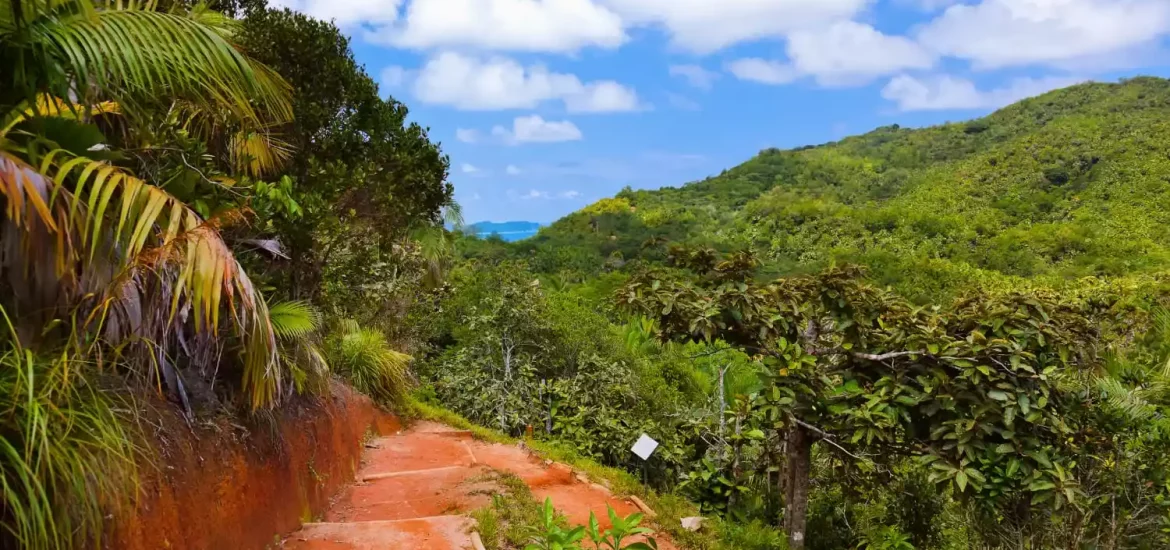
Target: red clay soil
<point x="220" y="487"/>
<point x="414" y="487"/>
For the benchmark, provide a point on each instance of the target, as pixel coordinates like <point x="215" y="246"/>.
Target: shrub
<point x="363" y="358"/>
<point x="1057" y="175"/>
<point x="976" y="127"/>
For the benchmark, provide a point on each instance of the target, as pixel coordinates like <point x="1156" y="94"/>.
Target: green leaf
<point x="1042" y="485"/>
<point x="642" y="546"/>
<point x="961" y="480"/>
<point x="997" y="395"/>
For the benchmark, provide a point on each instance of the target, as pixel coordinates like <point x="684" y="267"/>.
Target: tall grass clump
<point x="364" y="358"/>
<point x="66" y="457"/>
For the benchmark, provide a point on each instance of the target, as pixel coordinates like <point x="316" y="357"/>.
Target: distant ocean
<point x="509" y="231"/>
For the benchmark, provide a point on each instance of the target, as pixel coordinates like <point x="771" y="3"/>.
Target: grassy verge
<point x="716" y="533"/>
<point x="512" y="515"/>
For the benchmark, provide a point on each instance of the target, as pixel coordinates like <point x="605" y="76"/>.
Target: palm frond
<point x="49" y="106"/>
<point x="93" y="227"/>
<point x="437" y="250"/>
<point x="258" y="153"/>
<point x="224" y="25"/>
<point x="294" y="319"/>
<point x="120" y="53"/>
<point x="453" y="215"/>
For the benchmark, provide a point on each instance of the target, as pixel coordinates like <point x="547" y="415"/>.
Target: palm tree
<point x="85" y="239"/>
<point x="97" y="264"/>
<point x="436" y="245"/>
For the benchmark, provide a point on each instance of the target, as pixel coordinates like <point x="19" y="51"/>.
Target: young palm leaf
<point x="295" y="323"/>
<point x="293" y="320"/>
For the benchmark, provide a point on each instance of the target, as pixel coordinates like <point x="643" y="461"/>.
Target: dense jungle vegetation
<point x="953" y="337"/>
<point x="950" y="337"/>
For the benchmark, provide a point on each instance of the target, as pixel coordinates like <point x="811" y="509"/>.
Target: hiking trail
<point x="414" y="489"/>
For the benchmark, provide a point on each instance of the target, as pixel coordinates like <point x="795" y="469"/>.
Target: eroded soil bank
<point x="219" y="485"/>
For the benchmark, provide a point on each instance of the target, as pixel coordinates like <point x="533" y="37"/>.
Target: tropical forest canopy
<point x="952" y="337"/>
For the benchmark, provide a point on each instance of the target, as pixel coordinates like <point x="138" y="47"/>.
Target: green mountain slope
<point x="1068" y="184"/>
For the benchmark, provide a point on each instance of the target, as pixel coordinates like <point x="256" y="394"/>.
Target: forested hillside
<point x="950" y="337"/>
<point x="1068" y="184"/>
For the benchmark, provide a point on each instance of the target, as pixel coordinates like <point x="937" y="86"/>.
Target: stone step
<point x="432" y="533"/>
<point x="416" y="451"/>
<point x="412" y="494"/>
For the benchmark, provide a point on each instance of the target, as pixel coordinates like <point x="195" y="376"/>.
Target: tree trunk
<point x="797" y="486"/>
<point x="735" y="468"/>
<point x="506" y="350"/>
<point x="722" y="415"/>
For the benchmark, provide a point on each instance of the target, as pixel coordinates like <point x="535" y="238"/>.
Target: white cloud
<point x="704" y="26"/>
<point x="947" y="92"/>
<point x="534" y="194"/>
<point x="567" y="26"/>
<point x="845" y="53"/>
<point x="534" y="129"/>
<point x="517" y="25"/>
<point x="604" y="96"/>
<point x="512" y="170"/>
<point x="570" y="194"/>
<point x="763" y="71"/>
<point x="695" y="75"/>
<point x="467" y="135"/>
<point x="498" y="83"/>
<point x="468" y="168"/>
<point x="849" y="52"/>
<point x="1002" y="33"/>
<point x="345" y="12"/>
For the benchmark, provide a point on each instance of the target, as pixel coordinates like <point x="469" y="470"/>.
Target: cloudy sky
<point x="547" y="105"/>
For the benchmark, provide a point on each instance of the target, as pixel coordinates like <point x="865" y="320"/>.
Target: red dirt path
<point x="414" y="488"/>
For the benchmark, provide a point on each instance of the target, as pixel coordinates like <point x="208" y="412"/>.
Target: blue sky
<point x="545" y="106"/>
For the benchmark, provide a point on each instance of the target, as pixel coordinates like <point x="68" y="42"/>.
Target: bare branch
<point x="886" y="356"/>
<point x="827" y="438"/>
<point x="710" y="352"/>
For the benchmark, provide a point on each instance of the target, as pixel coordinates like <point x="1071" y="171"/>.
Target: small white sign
<point x="645" y="447"/>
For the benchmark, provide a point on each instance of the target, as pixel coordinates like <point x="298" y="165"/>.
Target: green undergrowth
<point x="716" y="534"/>
<point x="513" y="513"/>
<point x="67" y="455"/>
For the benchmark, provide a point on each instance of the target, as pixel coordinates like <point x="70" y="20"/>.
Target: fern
<point x="1130" y="403"/>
